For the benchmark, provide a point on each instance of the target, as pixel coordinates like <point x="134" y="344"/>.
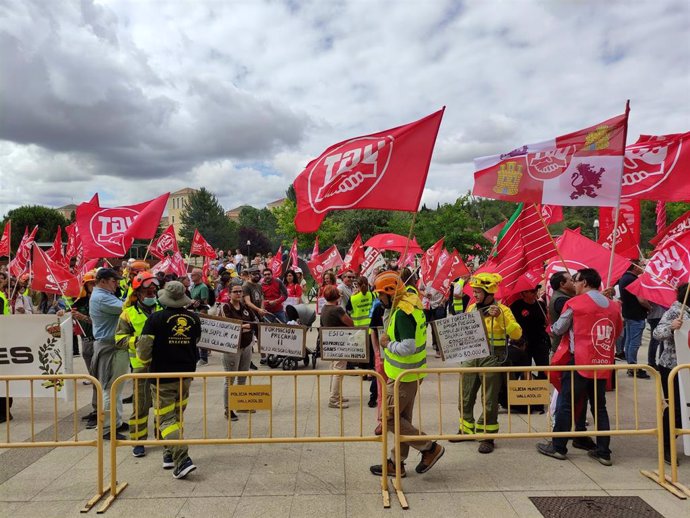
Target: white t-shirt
<point x="238" y="258"/>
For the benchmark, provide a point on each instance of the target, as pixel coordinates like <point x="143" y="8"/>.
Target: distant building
<point x="277" y="203"/>
<point x="234" y="214"/>
<point x="67" y="210"/>
<point x="176" y="204"/>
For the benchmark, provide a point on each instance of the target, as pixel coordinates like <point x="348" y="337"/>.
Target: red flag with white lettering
<point x="430" y="261"/>
<point x="331" y="258"/>
<point x="492" y="234"/>
<point x="18" y="265"/>
<point x="627" y="234"/>
<point x="276" y="264"/>
<point x="74" y="246"/>
<point x="667" y="268"/>
<point x="385" y="170"/>
<point x="166" y="242"/>
<point x="110" y="232"/>
<point x="656" y="168"/>
<point x="201" y="247"/>
<point x="294" y="263"/>
<point x="55" y="252"/>
<point x="451" y="269"/>
<point x="355" y="255"/>
<point x="680" y="225"/>
<point x="171" y="263"/>
<point x="5" y="240"/>
<point x="315" y="251"/>
<point x="51" y="277"/>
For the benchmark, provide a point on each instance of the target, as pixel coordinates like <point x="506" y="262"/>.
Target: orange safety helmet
<point x="144" y="280"/>
<point x="88" y="277"/>
<point x="388" y="282"/>
<point x="139" y="266"/>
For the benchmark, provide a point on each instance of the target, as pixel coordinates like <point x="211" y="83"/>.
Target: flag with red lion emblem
<point x="582" y="168"/>
<point x="385" y="170"/>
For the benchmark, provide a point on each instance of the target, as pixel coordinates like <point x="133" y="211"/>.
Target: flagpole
<point x="147" y="248"/>
<point x="543" y="222"/>
<point x="618" y="200"/>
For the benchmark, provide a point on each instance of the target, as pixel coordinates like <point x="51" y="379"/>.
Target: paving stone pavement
<point x="323" y="479"/>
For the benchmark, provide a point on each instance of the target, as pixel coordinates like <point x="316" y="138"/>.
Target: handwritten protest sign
<point x="461" y="337"/>
<point x="345" y="343"/>
<point x="220" y="334"/>
<point x="283" y="340"/>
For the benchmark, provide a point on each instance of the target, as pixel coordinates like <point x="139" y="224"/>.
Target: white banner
<point x="36" y="345"/>
<point x="682" y="340"/>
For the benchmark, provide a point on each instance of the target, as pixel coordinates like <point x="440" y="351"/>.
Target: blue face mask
<point x="149" y="301"/>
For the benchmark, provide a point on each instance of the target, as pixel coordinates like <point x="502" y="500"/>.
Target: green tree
<point x="331" y="231"/>
<point x="205" y="213"/>
<point x="29" y="216"/>
<point x="263" y="221"/>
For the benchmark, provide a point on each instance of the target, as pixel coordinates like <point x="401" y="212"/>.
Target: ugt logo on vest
<point x="349" y="172"/>
<point x="107" y="227"/>
<point x="602" y="337"/>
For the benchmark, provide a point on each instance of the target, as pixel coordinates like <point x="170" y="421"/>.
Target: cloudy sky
<point x="134" y="98"/>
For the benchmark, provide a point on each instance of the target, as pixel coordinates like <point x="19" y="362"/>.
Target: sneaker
<point x="584" y="443"/>
<point x="168" y="462"/>
<point x="184" y="469"/>
<point x="90" y="416"/>
<point x="92" y="423"/>
<point x="378" y="469"/>
<point x="602" y="459"/>
<point x="201" y="363"/>
<point x="127" y="400"/>
<point x="486" y="446"/>
<point x="430" y="457"/>
<point x="118" y="436"/>
<point x="233" y="416"/>
<point x="372" y="402"/>
<point x="546" y="448"/>
<point x="139" y="451"/>
<point x="253" y="367"/>
<point x="337" y="404"/>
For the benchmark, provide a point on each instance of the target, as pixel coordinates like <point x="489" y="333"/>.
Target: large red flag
<point x="668" y="268"/>
<point x="451" y="269"/>
<point x="171" y="263"/>
<point x="166" y="242"/>
<point x="429" y="261"/>
<point x="315" y="251"/>
<point x="51" y="277"/>
<point x="492" y="234"/>
<point x="201" y="247"/>
<point x="276" y="264"/>
<point x="55" y="252"/>
<point x="385" y="170"/>
<point x="680" y="225"/>
<point x="656" y="168"/>
<point x="329" y="259"/>
<point x="551" y="214"/>
<point x="5" y="240"/>
<point x="627" y="234"/>
<point x="581" y="168"/>
<point x="74" y="246"/>
<point x="18" y="265"/>
<point x="355" y="255"/>
<point x="110" y="232"/>
<point x="294" y="262"/>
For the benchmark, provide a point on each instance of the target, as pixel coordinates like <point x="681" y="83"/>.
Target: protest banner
<point x="220" y="334"/>
<point x="461" y="337"/>
<point x="282" y="340"/>
<point x="36" y="345"/>
<point x="345" y="343"/>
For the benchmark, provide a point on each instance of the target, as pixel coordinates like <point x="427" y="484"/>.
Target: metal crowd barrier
<point x="616" y="427"/>
<point x="271" y="438"/>
<point x="674" y="431"/>
<point x="56" y="442"/>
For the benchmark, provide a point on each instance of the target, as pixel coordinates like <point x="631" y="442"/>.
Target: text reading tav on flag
<point x="344" y="343"/>
<point x="282" y="339"/>
<point x="461" y="337"/>
<point x="220" y="334"/>
<point x="250" y="397"/>
<point x="528" y="392"/>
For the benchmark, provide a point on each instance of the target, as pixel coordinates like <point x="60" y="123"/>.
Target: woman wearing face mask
<point x="140" y="305"/>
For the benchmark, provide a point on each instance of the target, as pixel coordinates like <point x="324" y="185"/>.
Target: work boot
<point x="430" y="457"/>
<point x="486" y="446"/>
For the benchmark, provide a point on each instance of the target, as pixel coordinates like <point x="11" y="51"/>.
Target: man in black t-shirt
<point x="168" y="343"/>
<point x="635" y="311"/>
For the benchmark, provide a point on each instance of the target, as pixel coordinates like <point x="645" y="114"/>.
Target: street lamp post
<point x="595" y="224"/>
<point x="249" y="259"/>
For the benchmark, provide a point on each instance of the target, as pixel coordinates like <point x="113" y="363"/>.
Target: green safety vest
<point x="5" y="304"/>
<point x="411" y="289"/>
<point x="137" y="318"/>
<point x="395" y="365"/>
<point x="361" y="307"/>
<point x="457" y="303"/>
<point x="68" y="302"/>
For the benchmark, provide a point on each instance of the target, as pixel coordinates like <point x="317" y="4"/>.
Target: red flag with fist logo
<point x="201" y="247"/>
<point x="385" y="170"/>
<point x="166" y="242"/>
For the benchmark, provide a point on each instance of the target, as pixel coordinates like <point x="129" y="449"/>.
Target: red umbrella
<point x="394" y="242"/>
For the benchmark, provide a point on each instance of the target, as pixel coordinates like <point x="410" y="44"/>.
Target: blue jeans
<point x="633" y="338"/>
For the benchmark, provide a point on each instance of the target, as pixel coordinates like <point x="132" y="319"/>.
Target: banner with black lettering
<point x="36" y="345"/>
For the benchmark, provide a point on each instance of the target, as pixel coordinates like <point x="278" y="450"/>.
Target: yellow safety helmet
<point x="486" y="281"/>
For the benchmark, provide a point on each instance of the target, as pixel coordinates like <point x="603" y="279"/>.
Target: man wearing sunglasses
<point x="346" y="288"/>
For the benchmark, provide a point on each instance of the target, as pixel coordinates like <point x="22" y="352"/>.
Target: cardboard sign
<point x="250" y="397"/>
<point x="461" y="337"/>
<point x="36" y="345"/>
<point x="282" y="339"/>
<point x="345" y="343"/>
<point x="529" y="392"/>
<point x="220" y="334"/>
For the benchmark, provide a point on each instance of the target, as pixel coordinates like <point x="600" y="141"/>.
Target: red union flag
<point x="430" y="260"/>
<point x="680" y="225"/>
<point x="18" y="265"/>
<point x="50" y="277"/>
<point x="276" y="264"/>
<point x="668" y="268"/>
<point x="355" y="255"/>
<point x="581" y="168"/>
<point x="171" y="264"/>
<point x="331" y="258"/>
<point x="315" y="251"/>
<point x="110" y="232"/>
<point x="294" y="263"/>
<point x="5" y="240"/>
<point x="166" y="242"/>
<point x="451" y="269"/>
<point x="656" y="168"/>
<point x="492" y="233"/>
<point x="372" y="259"/>
<point x="627" y="235"/>
<point x="201" y="247"/>
<point x="74" y="246"/>
<point x="551" y="214"/>
<point x="55" y="252"/>
<point x="385" y="170"/>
